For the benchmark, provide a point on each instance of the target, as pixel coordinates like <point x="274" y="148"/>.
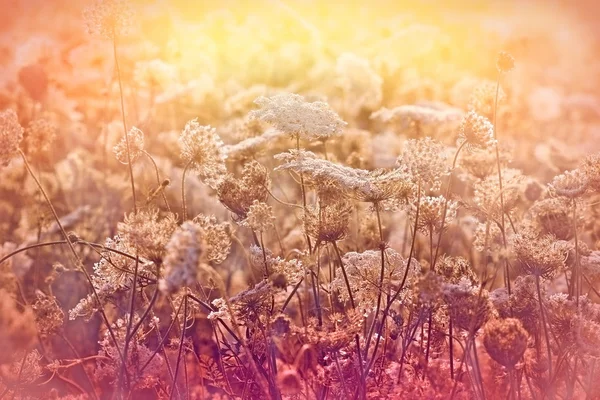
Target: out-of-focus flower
<point x="505" y="341"/>
<point x="184" y="251"/>
<point x="11" y="134"/>
<point x="109" y="18"/>
<point x="505" y="62"/>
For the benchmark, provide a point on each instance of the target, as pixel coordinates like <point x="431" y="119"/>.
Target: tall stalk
<point x="124" y="121"/>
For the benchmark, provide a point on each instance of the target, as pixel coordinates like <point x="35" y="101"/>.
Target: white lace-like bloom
<point x="424" y="160"/>
<point x="368" y="186"/>
<point x="292" y="114"/>
<point x="183" y="258"/>
<point x="109" y="18"/>
<point x="202" y="149"/>
<point x="363" y="271"/>
<point x="136" y="146"/>
<point x="476" y="131"/>
<point x="571" y="184"/>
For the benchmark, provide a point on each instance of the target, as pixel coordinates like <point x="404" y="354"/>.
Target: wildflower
<point x="361" y="85"/>
<point x="424" y="160"/>
<point x="483" y="98"/>
<point x="505" y="62"/>
<point x="553" y="217"/>
<point x="453" y="269"/>
<point x="571" y="184"/>
<point x="136" y="146"/>
<point x="587" y="336"/>
<point x="109" y="18"/>
<point x="363" y="271"/>
<point x="11" y="134"/>
<point x="292" y="114"/>
<point x="39" y="135"/>
<point x="202" y="149"/>
<point x="417" y="120"/>
<point x="184" y="251"/>
<point x="237" y="195"/>
<point x="480" y="164"/>
<point x="476" y="132"/>
<point x="217" y="237"/>
<point x="431" y="211"/>
<point x="468" y="305"/>
<point x="505" y="341"/>
<point x="328" y="223"/>
<point x="487" y="193"/>
<point x="369" y="186"/>
<point x="147" y="232"/>
<point x="591" y="169"/>
<point x="259" y="216"/>
<point x="539" y="255"/>
<point x="154" y="74"/>
<point x="49" y="316"/>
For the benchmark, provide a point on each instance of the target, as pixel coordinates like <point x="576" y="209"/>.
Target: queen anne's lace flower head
<point x="184" y="252"/>
<point x="476" y="131"/>
<point x="292" y="114"/>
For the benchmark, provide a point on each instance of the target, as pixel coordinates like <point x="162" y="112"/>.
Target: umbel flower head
<point x="539" y="255"/>
<point x="505" y="62"/>
<point x="11" y="134"/>
<point x="182" y="261"/>
<point x="297" y="117"/>
<point x="505" y="341"/>
<point x="202" y="149"/>
<point x="136" y="146"/>
<point x="571" y="184"/>
<point x="108" y="18"/>
<point x="424" y="160"/>
<point x="476" y="131"/>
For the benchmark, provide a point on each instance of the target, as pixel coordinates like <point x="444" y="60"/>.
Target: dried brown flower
<point x="202" y="149"/>
<point x="505" y="341"/>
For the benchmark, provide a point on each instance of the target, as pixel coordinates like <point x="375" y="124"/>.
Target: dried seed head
<point x="571" y="184"/>
<point x="328" y="223"/>
<point x="39" y="135"/>
<point x="469" y="306"/>
<point x="184" y="252"/>
<point x="202" y="149"/>
<point x="539" y="255"/>
<point x="11" y="134"/>
<point x="109" y="18"/>
<point x="425" y="161"/>
<point x="505" y="341"/>
<point x="431" y="212"/>
<point x="259" y="217"/>
<point x="136" y="146"/>
<point x="217" y="237"/>
<point x="476" y="132"/>
<point x="553" y="217"/>
<point x="292" y="114"/>
<point x="505" y="62"/>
